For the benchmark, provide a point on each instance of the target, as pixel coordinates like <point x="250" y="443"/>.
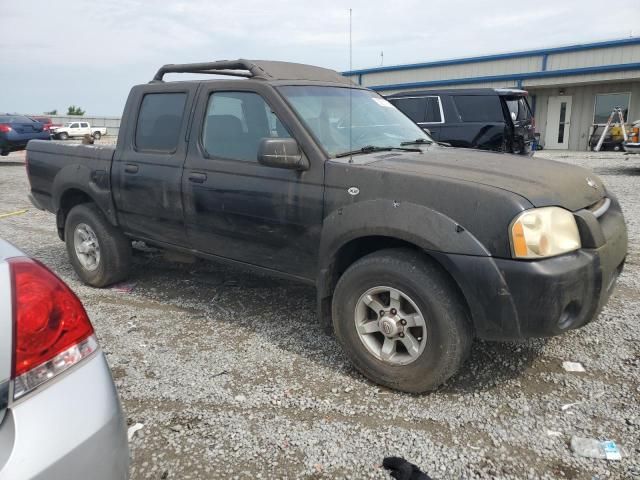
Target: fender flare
<point x="416" y="224"/>
<point x="93" y="183"/>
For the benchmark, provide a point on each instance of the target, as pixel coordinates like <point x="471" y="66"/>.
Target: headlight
<point x="543" y="232"/>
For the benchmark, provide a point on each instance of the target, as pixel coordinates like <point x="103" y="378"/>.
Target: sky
<point x="90" y="53"/>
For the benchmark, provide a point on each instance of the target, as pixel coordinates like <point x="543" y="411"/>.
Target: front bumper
<point x="513" y="299"/>
<point x="72" y="428"/>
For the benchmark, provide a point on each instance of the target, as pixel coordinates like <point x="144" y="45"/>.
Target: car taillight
<point x="52" y="331"/>
<point x="4" y="128"/>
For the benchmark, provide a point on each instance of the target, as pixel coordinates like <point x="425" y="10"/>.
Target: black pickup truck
<point x="414" y="248"/>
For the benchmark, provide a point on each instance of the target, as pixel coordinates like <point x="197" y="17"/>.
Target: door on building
<point x="558" y="122"/>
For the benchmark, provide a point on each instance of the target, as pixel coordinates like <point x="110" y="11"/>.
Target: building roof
<point x="499" y="56"/>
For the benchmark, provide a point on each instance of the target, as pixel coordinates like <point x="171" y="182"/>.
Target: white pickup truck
<point x="78" y="129"/>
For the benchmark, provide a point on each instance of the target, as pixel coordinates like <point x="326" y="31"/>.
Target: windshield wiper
<point x="372" y="149"/>
<point x="418" y="141"/>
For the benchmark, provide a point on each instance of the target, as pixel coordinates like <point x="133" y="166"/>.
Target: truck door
<point x="74" y="128"/>
<point x="237" y="208"/>
<point x="84" y="129"/>
<point x="147" y="166"/>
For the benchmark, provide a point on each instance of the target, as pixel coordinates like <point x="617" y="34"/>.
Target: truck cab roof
<point x="258" y="70"/>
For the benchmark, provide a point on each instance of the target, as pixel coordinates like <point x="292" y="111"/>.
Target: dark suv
<point x="485" y="118"/>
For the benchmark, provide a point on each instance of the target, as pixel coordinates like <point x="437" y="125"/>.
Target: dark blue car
<point x="17" y="130"/>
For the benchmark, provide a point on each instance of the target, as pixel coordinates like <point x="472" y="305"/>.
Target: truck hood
<point x="541" y="182"/>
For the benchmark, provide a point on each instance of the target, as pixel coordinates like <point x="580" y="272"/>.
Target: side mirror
<point x="281" y="153"/>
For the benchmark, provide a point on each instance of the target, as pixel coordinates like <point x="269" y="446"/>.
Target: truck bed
<point x="55" y="167"/>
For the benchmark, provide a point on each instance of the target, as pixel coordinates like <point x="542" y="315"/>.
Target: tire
<point x="97" y="135"/>
<point x="4" y="153"/>
<point x="63" y="136"/>
<point x="114" y="248"/>
<point x="448" y="331"/>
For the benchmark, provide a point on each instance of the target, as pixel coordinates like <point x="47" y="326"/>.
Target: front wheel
<point x="97" y="135"/>
<point x="63" y="136"/>
<point x="401" y="320"/>
<point x="99" y="252"/>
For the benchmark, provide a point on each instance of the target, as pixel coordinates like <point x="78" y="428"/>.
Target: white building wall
<point x="582" y="108"/>
<point x="594" y="57"/>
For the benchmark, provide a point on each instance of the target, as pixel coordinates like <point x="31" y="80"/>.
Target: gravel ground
<point x="232" y="377"/>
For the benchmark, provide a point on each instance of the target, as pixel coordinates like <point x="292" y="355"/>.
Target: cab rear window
<point x="159" y="121"/>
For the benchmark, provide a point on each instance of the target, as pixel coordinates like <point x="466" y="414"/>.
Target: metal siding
<point x="592" y="58"/>
<point x="467" y="70"/>
<point x="582" y="105"/>
<point x="582" y="79"/>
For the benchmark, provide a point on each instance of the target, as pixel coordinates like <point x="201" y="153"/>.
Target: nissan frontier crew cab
<point x="290" y="169"/>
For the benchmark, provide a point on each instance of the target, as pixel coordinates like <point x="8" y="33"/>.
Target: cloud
<point x="88" y="47"/>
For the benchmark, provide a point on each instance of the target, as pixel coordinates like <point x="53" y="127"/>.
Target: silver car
<point x="60" y="417"/>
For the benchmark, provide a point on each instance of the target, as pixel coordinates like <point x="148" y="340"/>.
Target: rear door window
<point x="434" y="112"/>
<point x="84" y="125"/>
<point x="413" y="107"/>
<point x="478" y="108"/>
<point x="159" y="121"/>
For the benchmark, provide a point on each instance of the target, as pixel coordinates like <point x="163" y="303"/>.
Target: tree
<point x="73" y="110"/>
<point x="52" y="112"/>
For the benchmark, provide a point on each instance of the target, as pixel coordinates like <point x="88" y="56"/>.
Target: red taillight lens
<point x="4" y="128"/>
<point x="50" y="324"/>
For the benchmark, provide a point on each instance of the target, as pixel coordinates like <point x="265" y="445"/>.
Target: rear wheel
<point x="63" y="136"/>
<point x="401" y="320"/>
<point x="97" y="135"/>
<point x="99" y="252"/>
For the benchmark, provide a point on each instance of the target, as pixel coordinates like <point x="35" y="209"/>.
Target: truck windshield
<point x="374" y="122"/>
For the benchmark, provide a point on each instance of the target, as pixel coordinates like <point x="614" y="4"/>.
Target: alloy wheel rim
<point x="390" y="325"/>
<point x="85" y="243"/>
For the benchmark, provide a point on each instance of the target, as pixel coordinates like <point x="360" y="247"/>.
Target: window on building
<point x="159" y="121"/>
<point x="606" y="102"/>
<point x="235" y="124"/>
<point x="479" y="108"/>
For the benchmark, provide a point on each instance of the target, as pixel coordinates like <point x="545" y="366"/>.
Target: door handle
<point x="197" y="177"/>
<point x="130" y="168"/>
